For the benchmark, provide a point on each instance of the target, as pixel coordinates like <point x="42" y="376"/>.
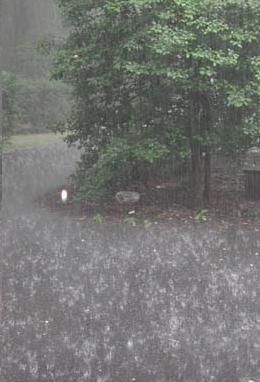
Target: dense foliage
<point x="181" y="74"/>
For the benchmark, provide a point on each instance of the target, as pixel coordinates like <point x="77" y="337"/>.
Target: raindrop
<point x="130" y="344"/>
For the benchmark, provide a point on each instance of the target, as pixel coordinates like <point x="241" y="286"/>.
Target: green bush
<point x="120" y="164"/>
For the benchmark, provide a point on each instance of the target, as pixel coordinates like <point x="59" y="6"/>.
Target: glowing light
<point x="64" y="196"/>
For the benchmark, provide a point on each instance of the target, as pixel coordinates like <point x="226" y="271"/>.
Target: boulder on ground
<point x="127" y="197"/>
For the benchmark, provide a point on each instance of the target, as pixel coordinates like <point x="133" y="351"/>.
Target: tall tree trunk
<point x="200" y="124"/>
<point x="198" y="177"/>
<point x="207" y="177"/>
<point x="201" y="176"/>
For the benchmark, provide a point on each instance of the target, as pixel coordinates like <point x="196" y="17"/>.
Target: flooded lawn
<point x="115" y="303"/>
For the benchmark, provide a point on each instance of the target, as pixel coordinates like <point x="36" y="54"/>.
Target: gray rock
<point x="127" y="197"/>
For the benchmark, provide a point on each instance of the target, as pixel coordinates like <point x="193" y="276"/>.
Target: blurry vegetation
<point x="131" y="220"/>
<point x="201" y="216"/>
<point x="159" y="85"/>
<point x="251" y="213"/>
<point x="31" y="102"/>
<point x="98" y="218"/>
<point x="8" y="90"/>
<point x="32" y="106"/>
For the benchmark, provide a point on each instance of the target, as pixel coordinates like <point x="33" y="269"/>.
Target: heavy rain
<point x="127" y="271"/>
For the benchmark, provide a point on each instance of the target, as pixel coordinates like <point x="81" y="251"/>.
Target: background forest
<point x="31" y="102"/>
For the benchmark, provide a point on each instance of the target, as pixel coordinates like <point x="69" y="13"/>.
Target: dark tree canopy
<point x="157" y="81"/>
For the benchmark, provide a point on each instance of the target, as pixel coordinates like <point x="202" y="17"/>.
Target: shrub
<point x="119" y="165"/>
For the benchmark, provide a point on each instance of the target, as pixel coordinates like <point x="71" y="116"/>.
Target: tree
<point x="183" y="73"/>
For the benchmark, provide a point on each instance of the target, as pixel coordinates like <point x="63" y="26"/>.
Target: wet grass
<point x="28" y="141"/>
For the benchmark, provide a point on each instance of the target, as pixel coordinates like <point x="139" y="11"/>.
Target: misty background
<point x="32" y="102"/>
